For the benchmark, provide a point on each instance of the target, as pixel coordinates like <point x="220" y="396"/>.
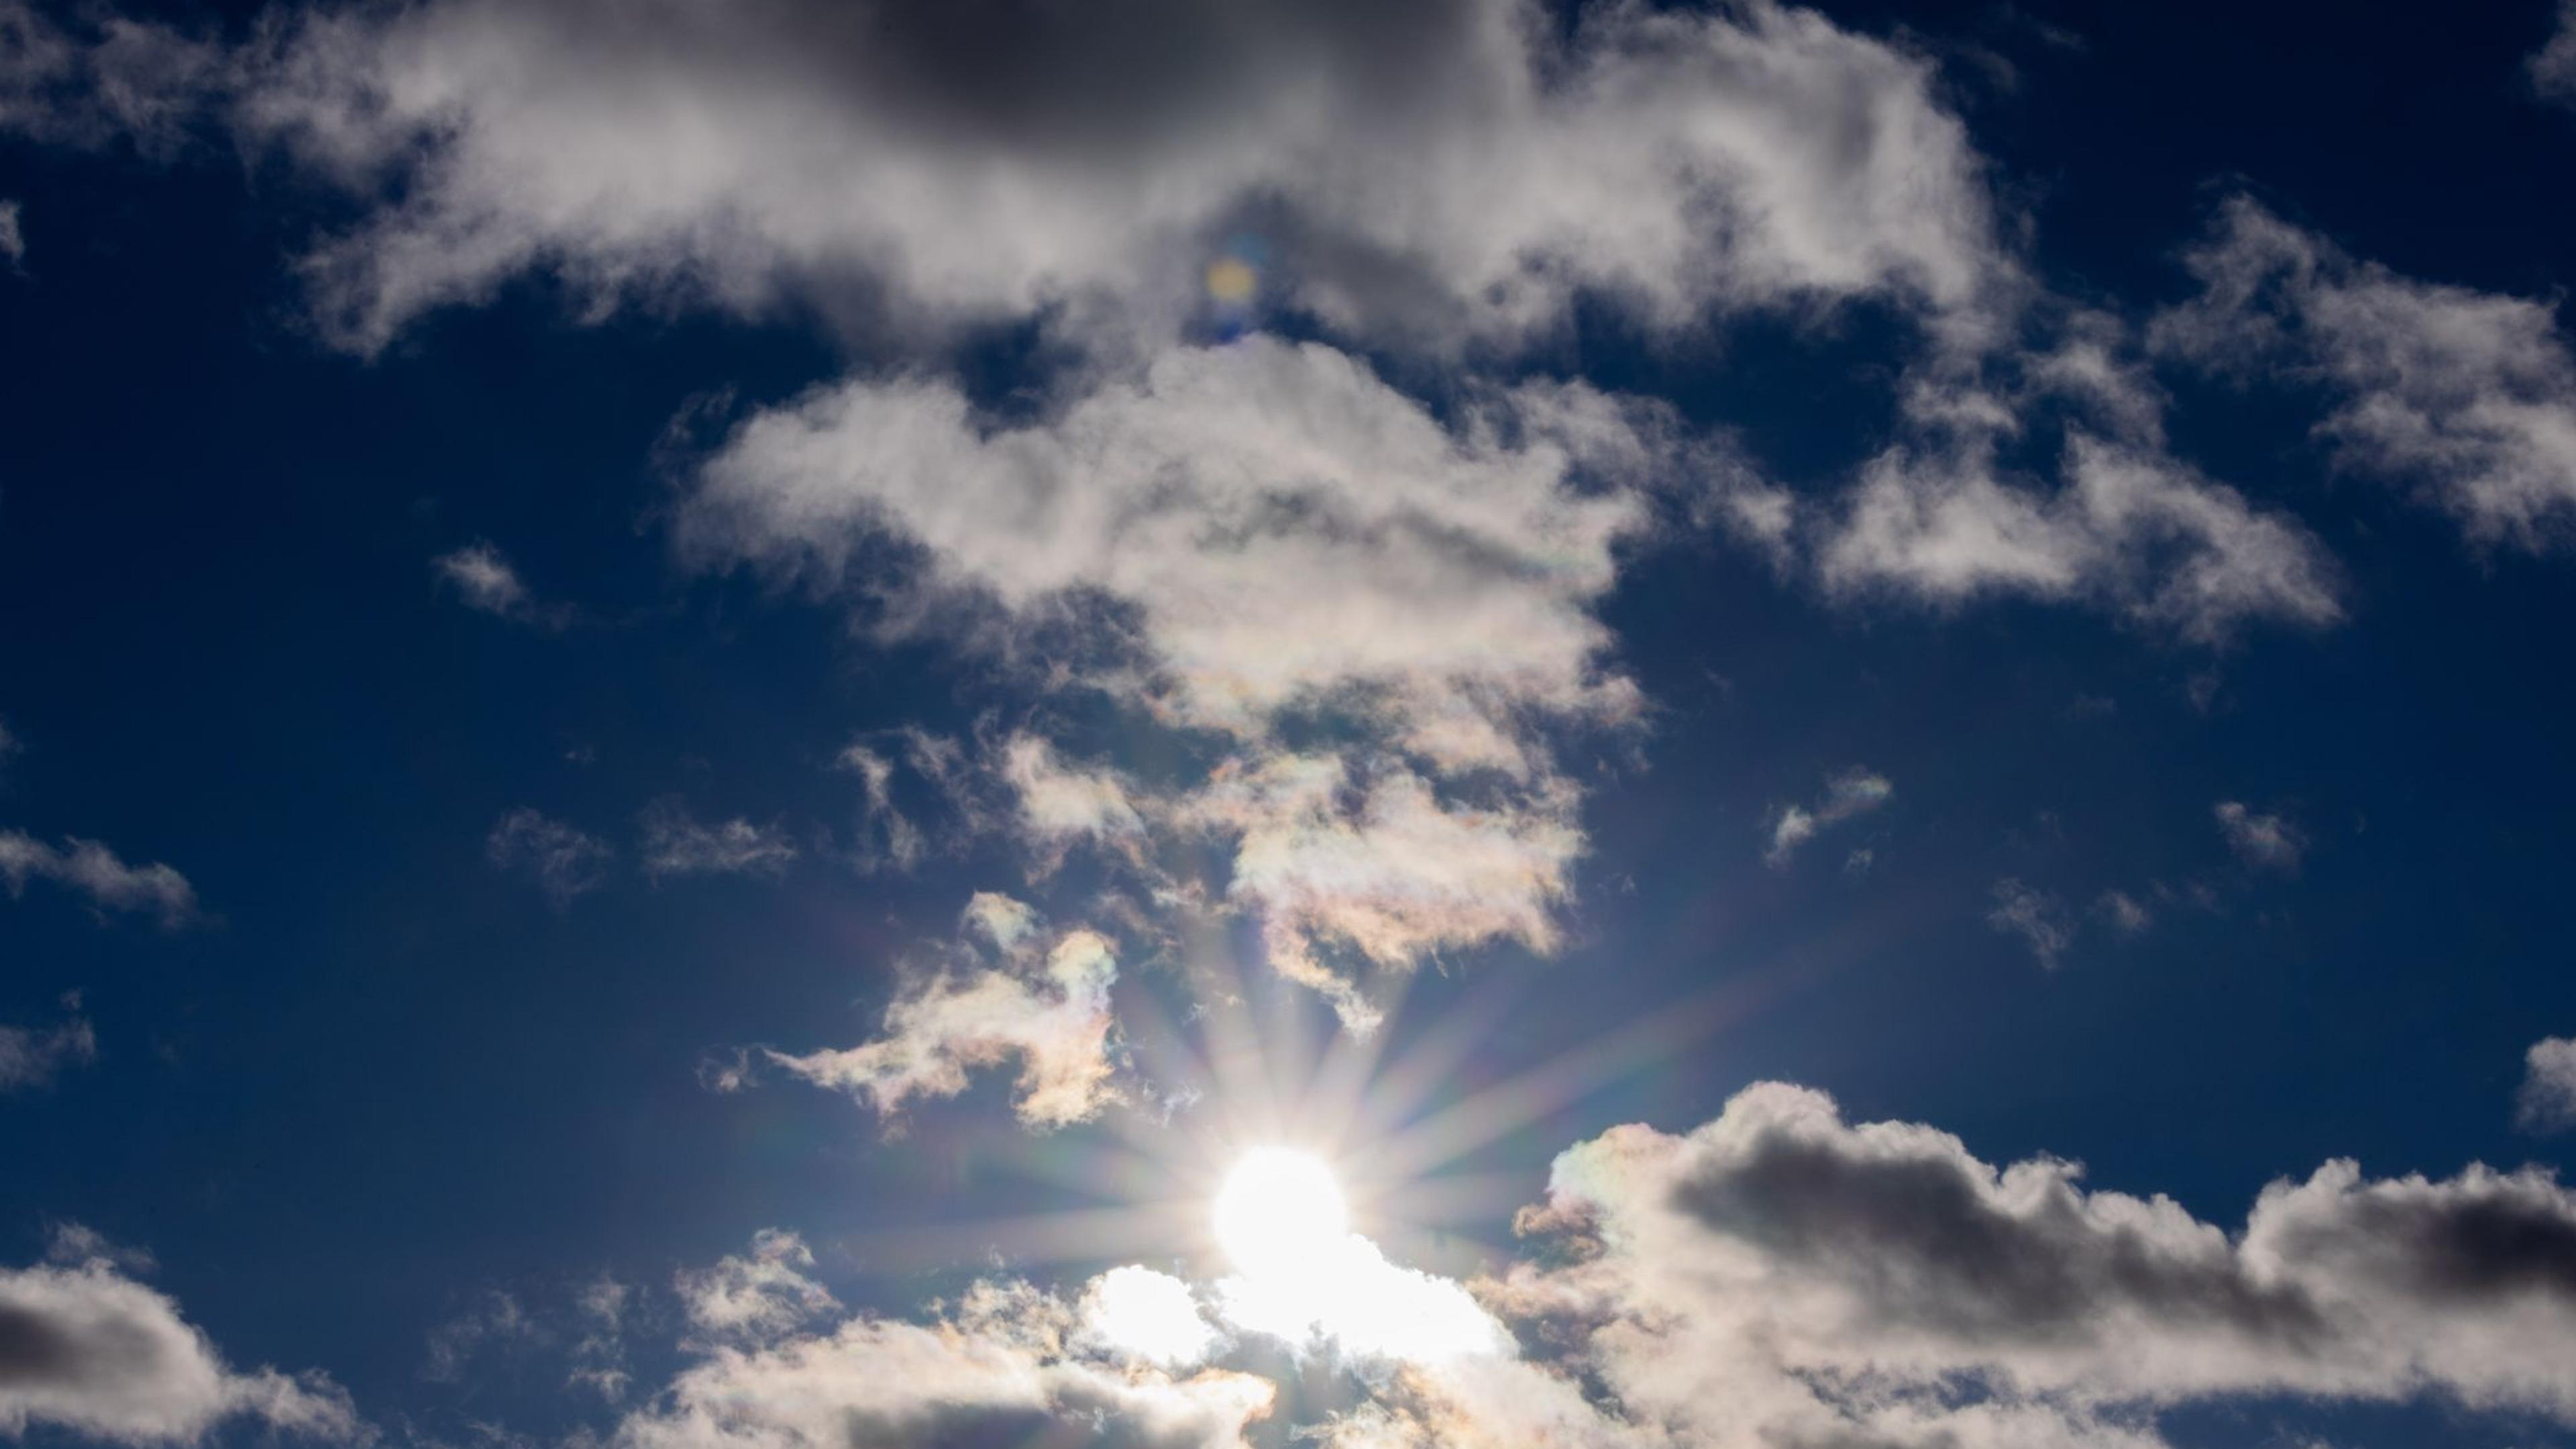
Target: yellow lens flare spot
<point x="1280" y="1213"/>
<point x="1232" y="281"/>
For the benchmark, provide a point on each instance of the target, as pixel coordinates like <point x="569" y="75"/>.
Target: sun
<point x="1280" y="1213"/>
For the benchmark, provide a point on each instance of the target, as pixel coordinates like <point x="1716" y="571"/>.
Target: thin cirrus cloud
<point x="86" y="1348"/>
<point x="487" y="581"/>
<point x="674" y="843"/>
<point x="2033" y="916"/>
<point x="1854" y="792"/>
<point x="95" y="872"/>
<point x="31" y="1057"/>
<point x="563" y="861"/>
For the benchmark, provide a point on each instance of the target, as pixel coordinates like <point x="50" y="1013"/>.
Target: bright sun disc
<point x="1280" y="1212"/>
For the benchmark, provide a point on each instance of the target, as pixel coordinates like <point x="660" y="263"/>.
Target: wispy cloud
<point x="2547" y="1102"/>
<point x="2260" y="839"/>
<point x="563" y="861"/>
<point x="33" y="1056"/>
<point x="94" y="871"/>
<point x="2033" y="915"/>
<point x="488" y="581"/>
<point x="1853" y="792"/>
<point x="2553" y="66"/>
<point x="674" y="844"/>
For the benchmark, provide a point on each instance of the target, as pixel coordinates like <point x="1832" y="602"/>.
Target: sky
<point x="1198" y="723"/>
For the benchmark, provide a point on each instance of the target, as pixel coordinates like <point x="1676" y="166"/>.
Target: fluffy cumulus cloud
<point x="673" y="843"/>
<point x="1249" y="537"/>
<point x="1044" y="1003"/>
<point x="95" y="872"/>
<point x="1006" y="1363"/>
<point x="86" y="1349"/>
<point x="2548" y="1099"/>
<point x="2469" y="397"/>
<point x="1452" y="169"/>
<point x="1853" y="792"/>
<point x="1781" y="1276"/>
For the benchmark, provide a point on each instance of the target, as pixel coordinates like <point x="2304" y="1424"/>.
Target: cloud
<point x="2035" y="916"/>
<point x="1460" y="168"/>
<point x="487" y="581"/>
<point x="86" y="1349"/>
<point x="2130" y="529"/>
<point x="497" y="1319"/>
<point x="109" y="78"/>
<point x="1235" y="543"/>
<point x="1004" y="1364"/>
<point x="563" y="861"/>
<point x="94" y="871"/>
<point x="674" y="844"/>
<point x="1138" y="1314"/>
<point x="2548" y="1099"/>
<point x="33" y="1057"/>
<point x="2468" y="396"/>
<point x="2553" y="67"/>
<point x="2270" y="841"/>
<point x="756" y="1297"/>
<point x="1781" y="1276"/>
<point x="13" y="240"/>
<point x="1045" y="1005"/>
<point x="2126" y="912"/>
<point x="1855" y="791"/>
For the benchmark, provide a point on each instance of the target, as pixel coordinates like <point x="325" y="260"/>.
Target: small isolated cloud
<point x="2034" y="916"/>
<point x="495" y="1321"/>
<point x="674" y="844"/>
<point x="563" y="861"/>
<point x="94" y="871"/>
<point x="1853" y="792"/>
<point x="32" y="1057"/>
<point x="487" y="581"/>
<point x="88" y="1350"/>
<point x="2126" y="913"/>
<point x="13" y="241"/>
<point x="1045" y="1006"/>
<point x="2469" y="397"/>
<point x="2553" y="68"/>
<point x="2269" y="841"/>
<point x="2548" y="1099"/>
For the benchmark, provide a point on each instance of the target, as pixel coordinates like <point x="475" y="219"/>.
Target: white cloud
<point x="1855" y="791"/>
<point x="1139" y="1314"/>
<point x="2126" y="912"/>
<point x="1001" y="1365"/>
<point x="486" y="580"/>
<point x="94" y="871"/>
<point x="758" y="1297"/>
<point x="2260" y="839"/>
<point x="1244" y="537"/>
<point x="674" y="844"/>
<point x="2130" y="529"/>
<point x="1458" y="167"/>
<point x="33" y="1057"/>
<point x="86" y="1349"/>
<point x="2469" y="396"/>
<point x="1780" y="1276"/>
<point x="2553" y="67"/>
<point x="563" y="861"/>
<point x="13" y="240"/>
<point x="1046" y="1006"/>
<point x="2548" y="1099"/>
<point x="2033" y="915"/>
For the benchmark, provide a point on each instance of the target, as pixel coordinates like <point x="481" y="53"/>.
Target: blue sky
<point x="709" y="708"/>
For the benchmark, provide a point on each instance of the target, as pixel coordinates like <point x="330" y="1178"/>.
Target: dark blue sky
<point x="377" y="1079"/>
